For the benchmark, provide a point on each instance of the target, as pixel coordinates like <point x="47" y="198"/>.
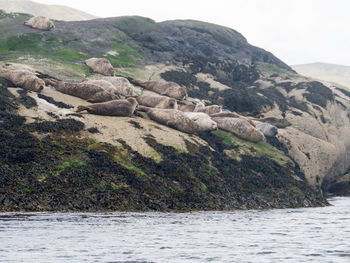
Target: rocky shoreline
<point x="48" y="166"/>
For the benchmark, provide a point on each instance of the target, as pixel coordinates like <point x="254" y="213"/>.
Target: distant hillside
<point x="328" y="72"/>
<point x="57" y="12"/>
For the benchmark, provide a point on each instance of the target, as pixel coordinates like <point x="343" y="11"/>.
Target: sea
<point x="278" y="235"/>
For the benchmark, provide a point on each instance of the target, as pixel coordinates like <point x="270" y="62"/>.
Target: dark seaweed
<point x="54" y="102"/>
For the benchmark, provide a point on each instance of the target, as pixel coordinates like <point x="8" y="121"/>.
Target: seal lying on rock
<point x="191" y="107"/>
<point x="40" y="22"/>
<point x="203" y="120"/>
<point x="100" y="65"/>
<point x="186" y="107"/>
<point x="106" y="85"/>
<point x="170" y="89"/>
<point x="208" y="109"/>
<point x="179" y="120"/>
<point x="122" y="85"/>
<point x="86" y="91"/>
<point x="278" y="122"/>
<point x="231" y="115"/>
<point x="112" y="108"/>
<point x="267" y="129"/>
<point x="23" y="79"/>
<point x="157" y="101"/>
<point x="241" y="128"/>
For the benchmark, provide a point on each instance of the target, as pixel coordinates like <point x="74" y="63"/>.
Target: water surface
<point x="281" y="235"/>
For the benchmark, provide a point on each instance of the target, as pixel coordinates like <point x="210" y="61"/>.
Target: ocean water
<point x="279" y="235"/>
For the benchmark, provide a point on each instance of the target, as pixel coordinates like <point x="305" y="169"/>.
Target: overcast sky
<point x="296" y="31"/>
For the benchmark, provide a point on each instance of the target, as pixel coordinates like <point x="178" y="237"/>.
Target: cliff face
<point x="138" y="164"/>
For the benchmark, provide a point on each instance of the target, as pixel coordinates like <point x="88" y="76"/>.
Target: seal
<point x="178" y="120"/>
<point x="23" y="79"/>
<point x="122" y="85"/>
<point x="267" y="129"/>
<point x="112" y="108"/>
<point x="241" y="128"/>
<point x="191" y="107"/>
<point x="106" y="85"/>
<point x="204" y="121"/>
<point x="186" y="107"/>
<point x="83" y="90"/>
<point x="170" y="89"/>
<point x="212" y="109"/>
<point x="101" y="66"/>
<point x="157" y="101"/>
<point x="231" y="115"/>
<point x="278" y="122"/>
<point x="40" y="22"/>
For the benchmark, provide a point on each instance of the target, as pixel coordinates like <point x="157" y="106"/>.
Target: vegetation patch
<point x="62" y="125"/>
<point x="54" y="102"/>
<point x="26" y="100"/>
<point x="259" y="149"/>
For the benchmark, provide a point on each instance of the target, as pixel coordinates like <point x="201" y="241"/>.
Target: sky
<point x="296" y="31"/>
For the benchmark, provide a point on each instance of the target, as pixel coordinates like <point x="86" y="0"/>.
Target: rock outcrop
<point x="173" y="161"/>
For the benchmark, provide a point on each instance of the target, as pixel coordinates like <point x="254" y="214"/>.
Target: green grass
<point x="172" y="189"/>
<point x="123" y="158"/>
<point x="102" y="185"/>
<point x="24" y="187"/>
<point x="271" y="68"/>
<point x="41" y="177"/>
<point x="203" y="188"/>
<point x="126" y="55"/>
<point x="135" y="169"/>
<point x="179" y="151"/>
<point x="116" y="187"/>
<point x="258" y="149"/>
<point x="75" y="163"/>
<point x="68" y="54"/>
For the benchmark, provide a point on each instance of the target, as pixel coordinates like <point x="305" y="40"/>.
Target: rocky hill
<point x="57" y="12"/>
<point x="327" y="72"/>
<point x="56" y="159"/>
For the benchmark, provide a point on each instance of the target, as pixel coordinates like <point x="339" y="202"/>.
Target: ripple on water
<point x="289" y="235"/>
